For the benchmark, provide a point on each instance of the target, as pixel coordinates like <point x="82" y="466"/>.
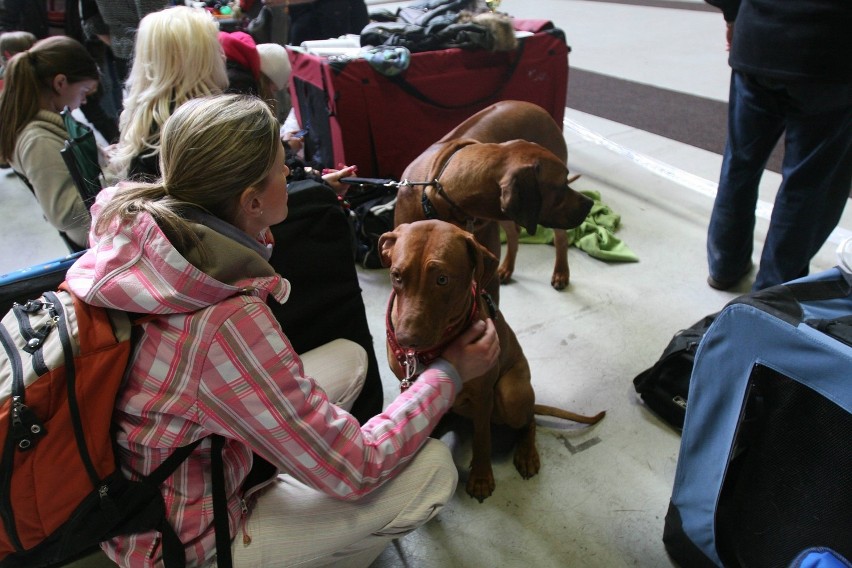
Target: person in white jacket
<point x="55" y="73"/>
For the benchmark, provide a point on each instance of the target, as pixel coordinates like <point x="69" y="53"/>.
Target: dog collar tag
<point x="410" y="365"/>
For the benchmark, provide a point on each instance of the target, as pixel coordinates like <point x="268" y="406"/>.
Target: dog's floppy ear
<point x="519" y="195"/>
<point x="484" y="262"/>
<point x="386" y="244"/>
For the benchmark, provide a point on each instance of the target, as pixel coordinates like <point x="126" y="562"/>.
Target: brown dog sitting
<point x="438" y="272"/>
<point x="506" y="163"/>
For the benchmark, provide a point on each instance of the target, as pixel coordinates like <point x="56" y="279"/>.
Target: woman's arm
<point x="42" y="164"/>
<point x="254" y="389"/>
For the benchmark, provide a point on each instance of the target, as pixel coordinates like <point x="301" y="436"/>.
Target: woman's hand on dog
<point x="475" y="351"/>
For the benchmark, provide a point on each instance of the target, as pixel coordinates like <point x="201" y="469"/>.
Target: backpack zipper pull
<point x="244" y="522"/>
<point x="26" y="427"/>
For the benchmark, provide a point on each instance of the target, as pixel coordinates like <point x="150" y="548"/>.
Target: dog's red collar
<point x="411" y="360"/>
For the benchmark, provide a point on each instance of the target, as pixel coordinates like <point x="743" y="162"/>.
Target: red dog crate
<point x="357" y="116"/>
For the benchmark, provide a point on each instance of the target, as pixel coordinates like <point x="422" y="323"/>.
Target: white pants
<point x="294" y="525"/>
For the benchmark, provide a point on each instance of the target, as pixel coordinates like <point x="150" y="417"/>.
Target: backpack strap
<point x="220" y="504"/>
<point x="173" y="549"/>
<point x="72" y="246"/>
<point x="784" y="301"/>
<point x="71" y="382"/>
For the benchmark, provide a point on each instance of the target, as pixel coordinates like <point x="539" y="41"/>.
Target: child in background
<point x="10" y="44"/>
<point x="55" y="73"/>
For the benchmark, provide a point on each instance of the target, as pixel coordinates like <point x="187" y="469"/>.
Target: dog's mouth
<point x="568" y="213"/>
<point x="406" y="353"/>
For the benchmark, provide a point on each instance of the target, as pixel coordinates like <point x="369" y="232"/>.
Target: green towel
<point x="595" y="235"/>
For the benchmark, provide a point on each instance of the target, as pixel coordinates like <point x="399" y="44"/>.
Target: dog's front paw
<point x="480" y="487"/>
<point x="559" y="280"/>
<point x="527" y="461"/>
<point x="505" y="274"/>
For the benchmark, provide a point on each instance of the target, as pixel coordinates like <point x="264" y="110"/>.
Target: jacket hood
<point x="133" y="267"/>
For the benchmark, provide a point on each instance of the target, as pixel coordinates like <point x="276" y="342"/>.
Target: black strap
<point x="839" y="328"/>
<point x="174" y="554"/>
<point x="220" y="504"/>
<point x="429" y="210"/>
<point x="168" y="467"/>
<point x="71" y="384"/>
<point x="819" y="290"/>
<point x="72" y="246"/>
<point x="400" y="81"/>
<point x="368" y="181"/>
<point x="784" y="301"/>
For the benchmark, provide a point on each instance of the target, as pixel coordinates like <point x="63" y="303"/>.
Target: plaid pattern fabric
<point x="218" y="362"/>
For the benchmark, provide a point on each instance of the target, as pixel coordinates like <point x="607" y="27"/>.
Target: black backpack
<point x="372" y="207"/>
<point x="665" y="386"/>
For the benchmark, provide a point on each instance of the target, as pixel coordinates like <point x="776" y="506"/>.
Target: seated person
<point x="10" y="44"/>
<point x="264" y="71"/>
<point x="242" y="63"/>
<point x="177" y="57"/>
<point x="213" y="360"/>
<point x="322" y="19"/>
<point x="55" y="73"/>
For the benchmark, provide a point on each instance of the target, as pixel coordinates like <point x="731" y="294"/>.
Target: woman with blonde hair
<point x="190" y="250"/>
<point x="55" y="73"/>
<point x="177" y="57"/>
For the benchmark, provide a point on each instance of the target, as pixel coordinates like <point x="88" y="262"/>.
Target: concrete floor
<point x="602" y="493"/>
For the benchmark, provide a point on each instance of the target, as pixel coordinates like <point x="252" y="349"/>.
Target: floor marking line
<point x="683" y="178"/>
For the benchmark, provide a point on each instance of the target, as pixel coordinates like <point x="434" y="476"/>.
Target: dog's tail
<point x="543" y="410"/>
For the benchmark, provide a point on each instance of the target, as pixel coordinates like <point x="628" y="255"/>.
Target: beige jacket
<point x="37" y="158"/>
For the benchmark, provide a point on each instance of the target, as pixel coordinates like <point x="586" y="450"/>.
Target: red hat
<point x="240" y="47"/>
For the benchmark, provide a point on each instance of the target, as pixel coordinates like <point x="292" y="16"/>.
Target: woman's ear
<point x="59" y="83"/>
<point x="250" y="202"/>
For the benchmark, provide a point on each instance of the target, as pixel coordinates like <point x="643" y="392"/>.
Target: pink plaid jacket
<point x="218" y="362"/>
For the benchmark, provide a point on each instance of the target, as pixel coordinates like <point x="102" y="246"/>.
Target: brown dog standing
<point x="505" y="180"/>
<point x="438" y="272"/>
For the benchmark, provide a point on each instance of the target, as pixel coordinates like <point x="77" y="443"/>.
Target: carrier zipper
<point x="732" y="453"/>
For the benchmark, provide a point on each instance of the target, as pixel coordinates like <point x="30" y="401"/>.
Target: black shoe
<point x="728" y="284"/>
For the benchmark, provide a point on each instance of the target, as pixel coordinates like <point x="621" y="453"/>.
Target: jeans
<point x="816" y="175"/>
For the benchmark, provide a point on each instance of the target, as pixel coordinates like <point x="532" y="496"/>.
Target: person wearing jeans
<point x="788" y="76"/>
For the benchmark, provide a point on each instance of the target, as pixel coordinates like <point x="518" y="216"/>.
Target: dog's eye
<point x="443" y="280"/>
<point x="395" y="277"/>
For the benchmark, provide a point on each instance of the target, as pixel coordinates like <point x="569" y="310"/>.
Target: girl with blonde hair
<point x="177" y="57"/>
<point x="55" y="73"/>
<point x="191" y="250"/>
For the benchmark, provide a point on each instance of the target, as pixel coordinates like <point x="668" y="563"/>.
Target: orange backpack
<point x="61" y="490"/>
